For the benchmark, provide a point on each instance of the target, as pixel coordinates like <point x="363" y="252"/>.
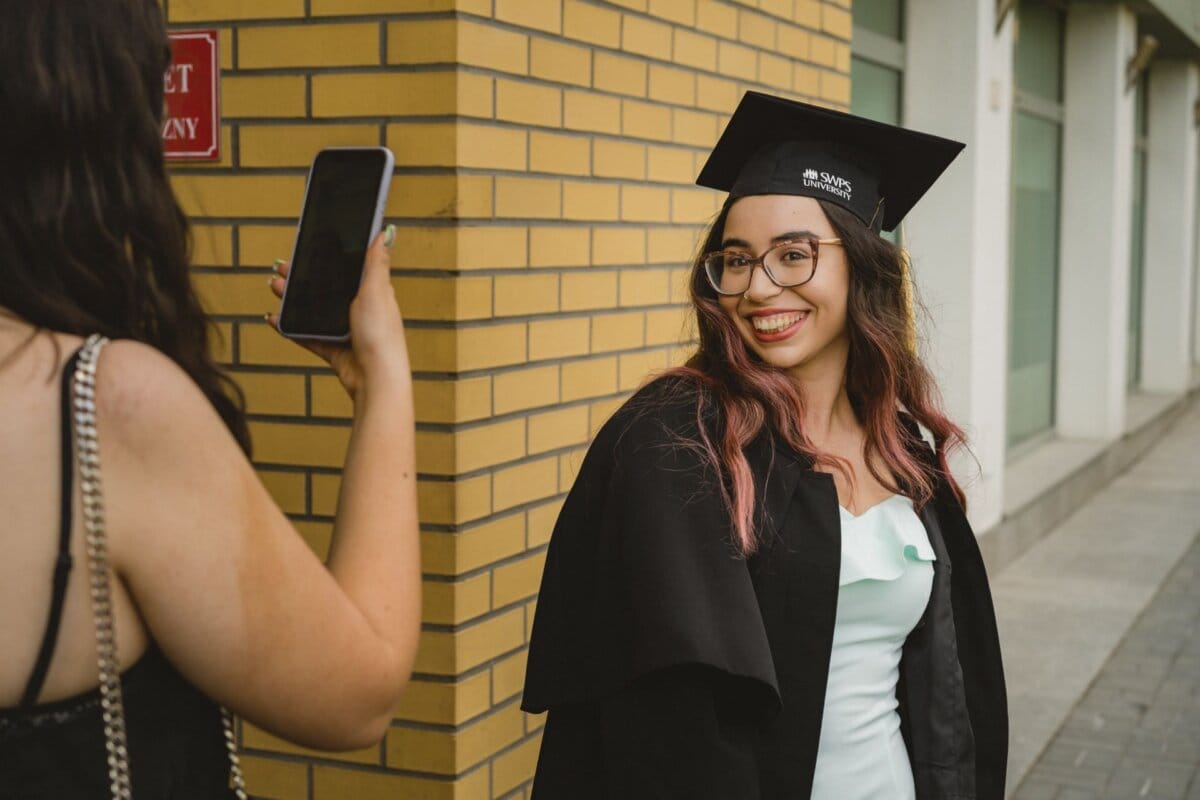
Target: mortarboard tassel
<point x="906" y="300"/>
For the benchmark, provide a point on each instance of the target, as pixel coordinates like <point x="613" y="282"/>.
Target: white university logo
<point x="827" y="181"/>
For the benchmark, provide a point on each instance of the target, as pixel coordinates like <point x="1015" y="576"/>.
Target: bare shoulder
<point x="144" y="399"/>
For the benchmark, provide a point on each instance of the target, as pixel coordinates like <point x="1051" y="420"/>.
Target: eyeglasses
<point x="787" y="264"/>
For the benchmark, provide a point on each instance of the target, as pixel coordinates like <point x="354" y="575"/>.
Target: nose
<point x="761" y="287"/>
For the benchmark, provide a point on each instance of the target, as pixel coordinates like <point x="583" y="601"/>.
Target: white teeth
<point x="776" y="322"/>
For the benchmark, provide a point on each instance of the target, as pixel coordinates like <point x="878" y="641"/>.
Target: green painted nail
<point x="389" y="236"/>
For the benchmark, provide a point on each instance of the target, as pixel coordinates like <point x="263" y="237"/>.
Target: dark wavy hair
<point x="883" y="376"/>
<point x="92" y="239"/>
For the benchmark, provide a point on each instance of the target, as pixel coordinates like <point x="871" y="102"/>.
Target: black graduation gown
<point x="673" y="668"/>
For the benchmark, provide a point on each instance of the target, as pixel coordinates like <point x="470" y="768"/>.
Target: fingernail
<point x="267" y="317"/>
<point x="389" y="236"/>
<point x="276" y="265"/>
<point x="271" y="281"/>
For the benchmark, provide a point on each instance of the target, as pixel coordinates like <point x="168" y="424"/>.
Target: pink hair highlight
<point x="882" y="376"/>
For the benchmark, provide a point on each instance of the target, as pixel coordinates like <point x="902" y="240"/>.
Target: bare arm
<point x="375" y="554"/>
<point x="227" y="588"/>
<point x="375" y="539"/>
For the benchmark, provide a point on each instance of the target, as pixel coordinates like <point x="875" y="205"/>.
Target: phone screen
<point x="335" y="230"/>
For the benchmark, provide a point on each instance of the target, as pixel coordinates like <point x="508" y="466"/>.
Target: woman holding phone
<point x="213" y="598"/>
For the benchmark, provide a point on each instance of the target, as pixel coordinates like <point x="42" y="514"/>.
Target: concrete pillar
<point x="959" y="233"/>
<point x="1170" y="236"/>
<point x="1098" y="131"/>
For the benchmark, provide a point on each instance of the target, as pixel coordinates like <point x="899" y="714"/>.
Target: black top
<point x="672" y="667"/>
<point x="56" y="750"/>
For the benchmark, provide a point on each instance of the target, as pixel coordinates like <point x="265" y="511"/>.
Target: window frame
<point x="1052" y="111"/>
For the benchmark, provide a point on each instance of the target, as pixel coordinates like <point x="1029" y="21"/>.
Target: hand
<point x="377" y="349"/>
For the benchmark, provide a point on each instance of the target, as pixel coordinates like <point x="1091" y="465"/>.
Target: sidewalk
<point x="1065" y="606"/>
<point x="1136" y="733"/>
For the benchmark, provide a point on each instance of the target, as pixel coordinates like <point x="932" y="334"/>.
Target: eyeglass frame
<point x="760" y="262"/>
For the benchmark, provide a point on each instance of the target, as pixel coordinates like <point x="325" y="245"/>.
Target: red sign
<point x="192" y="129"/>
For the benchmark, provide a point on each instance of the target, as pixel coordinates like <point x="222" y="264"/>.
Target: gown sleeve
<point x="978" y="651"/>
<point x="647" y="648"/>
<point x="676" y="733"/>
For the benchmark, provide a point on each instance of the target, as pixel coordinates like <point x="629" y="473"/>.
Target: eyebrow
<point x="783" y="237"/>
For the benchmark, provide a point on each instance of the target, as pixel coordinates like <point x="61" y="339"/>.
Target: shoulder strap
<point x="87" y="454"/>
<point x="62" y="566"/>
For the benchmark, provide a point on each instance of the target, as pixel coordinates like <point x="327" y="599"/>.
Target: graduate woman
<point x="763" y="583"/>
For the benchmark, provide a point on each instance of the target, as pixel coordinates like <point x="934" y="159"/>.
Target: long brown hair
<point x="92" y="239"/>
<point x="882" y="376"/>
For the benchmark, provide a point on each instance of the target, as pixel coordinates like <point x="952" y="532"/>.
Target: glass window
<point x="1038" y="57"/>
<point x="1137" y="241"/>
<point x="876" y="92"/>
<point x="1033" y="274"/>
<point x="1033" y="285"/>
<point x="1141" y="104"/>
<point x="1196" y="275"/>
<point x="1133" y="361"/>
<point x="885" y="17"/>
<point x="876" y="95"/>
<point x="876" y="76"/>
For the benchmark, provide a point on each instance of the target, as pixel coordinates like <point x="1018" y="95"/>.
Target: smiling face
<point x="801" y="329"/>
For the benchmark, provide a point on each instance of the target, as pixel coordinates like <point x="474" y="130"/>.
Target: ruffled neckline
<point x="883" y="541"/>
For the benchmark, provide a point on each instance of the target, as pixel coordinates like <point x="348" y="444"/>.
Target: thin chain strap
<point x="87" y="455"/>
<point x="87" y="450"/>
<point x="235" y="763"/>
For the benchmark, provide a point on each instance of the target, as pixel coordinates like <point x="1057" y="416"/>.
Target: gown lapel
<point x="795" y="577"/>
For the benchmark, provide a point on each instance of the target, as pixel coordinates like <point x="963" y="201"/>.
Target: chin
<point x="780" y="359"/>
<point x="799" y="353"/>
<point x="783" y="356"/>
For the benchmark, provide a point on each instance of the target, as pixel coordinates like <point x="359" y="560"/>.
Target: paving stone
<point x="1068" y="605"/>
<point x="1135" y="733"/>
<point x="1037" y="790"/>
<point x="1194" y="792"/>
<point x="1077" y="794"/>
<point x="1069" y="776"/>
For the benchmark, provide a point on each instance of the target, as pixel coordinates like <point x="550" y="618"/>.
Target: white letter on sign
<point x="183" y="71"/>
<point x="180" y="128"/>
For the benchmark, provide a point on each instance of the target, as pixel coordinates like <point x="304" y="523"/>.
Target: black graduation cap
<point x="777" y="146"/>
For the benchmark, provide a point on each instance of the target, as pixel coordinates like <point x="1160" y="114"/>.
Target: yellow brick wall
<point x="546" y="152"/>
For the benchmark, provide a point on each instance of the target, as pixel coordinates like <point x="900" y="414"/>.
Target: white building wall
<point x="1170" y="237"/>
<point x="961" y="86"/>
<point x="1098" y="135"/>
<point x="958" y="234"/>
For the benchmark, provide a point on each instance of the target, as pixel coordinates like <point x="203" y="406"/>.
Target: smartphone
<point x="342" y="213"/>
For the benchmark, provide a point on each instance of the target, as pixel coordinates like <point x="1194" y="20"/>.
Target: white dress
<point x="886" y="577"/>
